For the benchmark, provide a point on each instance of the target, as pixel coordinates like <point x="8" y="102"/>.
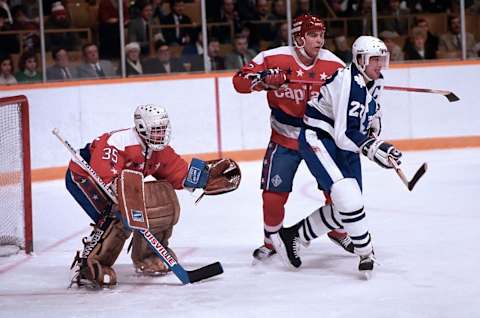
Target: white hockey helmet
<point x="367" y="47"/>
<point x="153" y="126"/>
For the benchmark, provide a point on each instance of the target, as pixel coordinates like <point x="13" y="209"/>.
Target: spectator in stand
<point x="303" y="7"/>
<point x="139" y="29"/>
<point x="226" y="14"/>
<point x="163" y="61"/>
<point x="431" y="45"/>
<point x="279" y="11"/>
<point x="248" y="30"/>
<point x="31" y="40"/>
<point x="108" y="28"/>
<point x="261" y="25"/>
<point x="92" y="66"/>
<point x="60" y="20"/>
<point x="6" y="71"/>
<point x="342" y="49"/>
<point x="450" y="44"/>
<point x="4" y="5"/>
<point x="389" y="37"/>
<point x="281" y="39"/>
<point x="192" y="54"/>
<point x="61" y="70"/>
<point x="9" y="43"/>
<point x="28" y="65"/>
<point x="240" y="55"/>
<point x="161" y="9"/>
<point x="177" y="34"/>
<point x="215" y="61"/>
<point x="245" y="9"/>
<point x="397" y="20"/>
<point x="415" y="48"/>
<point x="134" y="65"/>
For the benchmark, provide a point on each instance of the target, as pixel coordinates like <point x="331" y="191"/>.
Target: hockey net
<point x="15" y="179"/>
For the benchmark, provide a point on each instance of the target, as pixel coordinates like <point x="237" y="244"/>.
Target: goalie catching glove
<point x="380" y="151"/>
<point x="214" y="176"/>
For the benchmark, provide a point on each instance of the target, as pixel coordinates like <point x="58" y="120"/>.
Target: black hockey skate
<point x="344" y="242"/>
<point x="287" y="243"/>
<point x="262" y="254"/>
<point x="366" y="265"/>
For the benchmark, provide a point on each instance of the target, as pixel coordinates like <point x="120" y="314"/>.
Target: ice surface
<point x="426" y="242"/>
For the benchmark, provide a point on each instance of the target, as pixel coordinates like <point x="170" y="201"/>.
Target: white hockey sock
<point x="318" y="223"/>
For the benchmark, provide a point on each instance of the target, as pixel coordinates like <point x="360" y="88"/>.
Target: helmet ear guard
<point x="153" y="126"/>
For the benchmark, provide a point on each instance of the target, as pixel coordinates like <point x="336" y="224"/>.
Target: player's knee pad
<point x="163" y="211"/>
<point x="346" y="195"/>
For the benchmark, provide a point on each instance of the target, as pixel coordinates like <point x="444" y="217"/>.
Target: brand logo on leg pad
<point x="137" y="216"/>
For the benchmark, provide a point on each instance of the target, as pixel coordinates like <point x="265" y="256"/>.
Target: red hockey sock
<point x="273" y="210"/>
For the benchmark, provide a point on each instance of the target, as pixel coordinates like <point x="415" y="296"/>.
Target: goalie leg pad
<point x="163" y="211"/>
<point x="100" y="252"/>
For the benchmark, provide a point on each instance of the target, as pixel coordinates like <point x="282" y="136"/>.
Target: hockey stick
<point x="186" y="277"/>
<point x="410" y="184"/>
<point x="448" y="94"/>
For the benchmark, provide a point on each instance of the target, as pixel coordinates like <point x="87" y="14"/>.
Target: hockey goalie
<point x="121" y="159"/>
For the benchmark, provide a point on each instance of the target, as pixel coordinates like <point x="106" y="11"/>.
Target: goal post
<point x="15" y="176"/>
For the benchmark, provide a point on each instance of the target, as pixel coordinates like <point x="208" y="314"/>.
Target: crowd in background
<point x="162" y="37"/>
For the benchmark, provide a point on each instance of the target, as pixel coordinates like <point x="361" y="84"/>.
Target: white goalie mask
<point x="153" y="126"/>
<point x="367" y="47"/>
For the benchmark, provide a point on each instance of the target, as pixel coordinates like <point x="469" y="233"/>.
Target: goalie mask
<point x="153" y="126"/>
<point x="304" y="24"/>
<point x="366" y="47"/>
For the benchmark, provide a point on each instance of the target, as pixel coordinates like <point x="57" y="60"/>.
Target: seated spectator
<point x="303" y="7"/>
<point x="108" y="28"/>
<point x="279" y="11"/>
<point x="248" y="30"/>
<point x="414" y="48"/>
<point x="215" y="61"/>
<point x="9" y="43"/>
<point x="177" y="34"/>
<point x="60" y="20"/>
<point x="240" y="55"/>
<point x="6" y="71"/>
<point x="161" y="8"/>
<point x="92" y="66"/>
<point x="342" y="49"/>
<point x="30" y="40"/>
<point x="28" y="68"/>
<point x="389" y="37"/>
<point x="192" y="54"/>
<point x="397" y="20"/>
<point x="281" y="39"/>
<point x="450" y="43"/>
<point x="227" y="14"/>
<point x="431" y="45"/>
<point x="163" y="61"/>
<point x="260" y="23"/>
<point x="133" y="64"/>
<point x="61" y="70"/>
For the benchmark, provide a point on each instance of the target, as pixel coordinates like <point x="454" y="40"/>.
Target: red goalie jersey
<point x="122" y="149"/>
<point x="288" y="103"/>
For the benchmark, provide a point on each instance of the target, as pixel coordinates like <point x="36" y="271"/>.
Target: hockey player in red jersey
<point x="271" y="71"/>
<point x="143" y="148"/>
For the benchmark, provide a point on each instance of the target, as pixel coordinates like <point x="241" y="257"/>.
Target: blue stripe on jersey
<point x="312" y="112"/>
<point x="286" y="119"/>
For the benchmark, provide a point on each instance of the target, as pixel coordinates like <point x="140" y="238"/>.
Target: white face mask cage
<point x="153" y="126"/>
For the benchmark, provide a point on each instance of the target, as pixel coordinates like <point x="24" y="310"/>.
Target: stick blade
<point x="420" y="172"/>
<point x="452" y="97"/>
<point x="205" y="272"/>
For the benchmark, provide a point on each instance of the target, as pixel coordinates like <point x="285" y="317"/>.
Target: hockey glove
<point x="379" y="151"/>
<point x="269" y="79"/>
<point x="215" y="176"/>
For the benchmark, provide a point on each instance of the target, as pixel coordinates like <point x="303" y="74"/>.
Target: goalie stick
<point x="186" y="277"/>
<point x="409" y="184"/>
<point x="448" y="94"/>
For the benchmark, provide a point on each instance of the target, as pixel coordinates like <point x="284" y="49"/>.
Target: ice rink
<point x="426" y="242"/>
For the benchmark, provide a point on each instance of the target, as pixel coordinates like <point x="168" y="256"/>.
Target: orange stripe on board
<point x="47" y="174"/>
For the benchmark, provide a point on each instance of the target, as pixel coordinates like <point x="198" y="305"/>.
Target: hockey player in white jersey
<point x="339" y="125"/>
